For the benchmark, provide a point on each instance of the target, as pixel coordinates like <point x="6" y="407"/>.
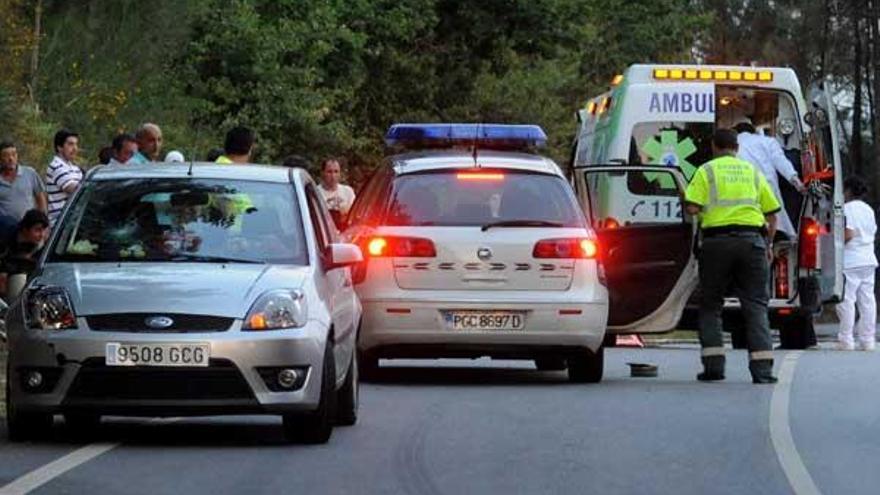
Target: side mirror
<point x="342" y="255"/>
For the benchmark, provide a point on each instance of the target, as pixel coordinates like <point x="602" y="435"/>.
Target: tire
<point x="348" y="395"/>
<point x="368" y="366"/>
<point x="22" y="426"/>
<point x="316" y="427"/>
<point x="586" y="367"/>
<point x="550" y="364"/>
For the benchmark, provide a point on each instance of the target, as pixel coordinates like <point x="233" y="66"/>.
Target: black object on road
<point x="642" y="370"/>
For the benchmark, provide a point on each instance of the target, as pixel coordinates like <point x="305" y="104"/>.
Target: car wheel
<point x="550" y="364"/>
<point x="22" y="426"/>
<point x="368" y="366"/>
<point x="586" y="367"/>
<point x="316" y="426"/>
<point x="347" y="396"/>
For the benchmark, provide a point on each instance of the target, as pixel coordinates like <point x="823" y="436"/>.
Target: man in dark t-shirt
<point x="20" y="249"/>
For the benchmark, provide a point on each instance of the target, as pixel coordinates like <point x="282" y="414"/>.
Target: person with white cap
<point x="767" y="155"/>
<point x="174" y="157"/>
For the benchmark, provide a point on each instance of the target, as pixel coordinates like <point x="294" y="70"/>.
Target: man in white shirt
<point x="859" y="265"/>
<point x="339" y="197"/>
<point x="767" y="155"/>
<point x="62" y="176"/>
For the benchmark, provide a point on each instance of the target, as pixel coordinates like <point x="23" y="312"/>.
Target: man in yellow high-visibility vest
<point x="737" y="211"/>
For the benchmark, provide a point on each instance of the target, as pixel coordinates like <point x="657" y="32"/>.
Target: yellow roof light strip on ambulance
<point x="696" y="74"/>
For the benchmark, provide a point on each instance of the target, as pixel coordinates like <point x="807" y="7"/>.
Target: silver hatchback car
<point x="171" y="290"/>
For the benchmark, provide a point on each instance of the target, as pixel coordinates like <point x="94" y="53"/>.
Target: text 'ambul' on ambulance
<point x="637" y="146"/>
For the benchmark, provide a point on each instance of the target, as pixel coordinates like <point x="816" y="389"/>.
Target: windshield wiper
<point x="521" y="223"/>
<point x="200" y="258"/>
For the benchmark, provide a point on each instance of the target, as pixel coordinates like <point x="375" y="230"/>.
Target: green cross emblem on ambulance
<point x="670" y="152"/>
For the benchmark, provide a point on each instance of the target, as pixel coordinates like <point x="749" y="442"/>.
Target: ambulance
<point x="638" y="145"/>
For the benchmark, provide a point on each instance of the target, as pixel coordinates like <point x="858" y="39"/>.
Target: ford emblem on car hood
<point x="159" y="322"/>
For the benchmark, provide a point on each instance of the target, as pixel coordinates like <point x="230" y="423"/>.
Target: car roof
<point x="202" y="170"/>
<point x="429" y="160"/>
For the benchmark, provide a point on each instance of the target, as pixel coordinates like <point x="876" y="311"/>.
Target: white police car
<point x="475" y="246"/>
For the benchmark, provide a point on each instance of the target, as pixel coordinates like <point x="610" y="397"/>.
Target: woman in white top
<point x="859" y="264"/>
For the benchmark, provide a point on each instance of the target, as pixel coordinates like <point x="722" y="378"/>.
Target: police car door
<point x="646" y="243"/>
<point x="822" y="229"/>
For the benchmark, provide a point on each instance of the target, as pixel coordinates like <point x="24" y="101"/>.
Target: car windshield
<point x="182" y="220"/>
<point x="483" y="198"/>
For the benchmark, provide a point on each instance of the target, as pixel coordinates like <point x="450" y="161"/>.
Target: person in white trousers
<point x="859" y="264"/>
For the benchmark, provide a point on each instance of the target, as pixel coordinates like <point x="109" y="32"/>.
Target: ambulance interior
<point x="665" y="230"/>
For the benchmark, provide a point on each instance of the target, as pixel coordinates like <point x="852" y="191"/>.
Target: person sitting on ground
<point x="238" y="146"/>
<point x="19" y="251"/>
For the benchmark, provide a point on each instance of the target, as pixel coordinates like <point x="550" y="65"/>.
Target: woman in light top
<point x="859" y="264"/>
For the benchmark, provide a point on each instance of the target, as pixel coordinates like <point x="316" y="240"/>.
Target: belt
<point x="733" y="231"/>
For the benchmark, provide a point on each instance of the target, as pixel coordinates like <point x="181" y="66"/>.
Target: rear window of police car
<point x="476" y="198"/>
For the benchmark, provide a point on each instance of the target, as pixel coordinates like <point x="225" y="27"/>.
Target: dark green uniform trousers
<point x="740" y="258"/>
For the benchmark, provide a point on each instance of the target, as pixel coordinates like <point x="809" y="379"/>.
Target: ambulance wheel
<point x="586" y="366"/>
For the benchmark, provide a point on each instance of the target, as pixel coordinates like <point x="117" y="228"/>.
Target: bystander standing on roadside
<point x="859" y="266"/>
<point x="149" y="141"/>
<point x="21" y="188"/>
<point x="238" y="147"/>
<point x="338" y="196"/>
<point x="125" y="147"/>
<point x="63" y="176"/>
<point x="105" y="154"/>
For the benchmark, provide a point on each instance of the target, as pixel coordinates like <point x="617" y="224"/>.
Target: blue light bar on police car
<point x="492" y="136"/>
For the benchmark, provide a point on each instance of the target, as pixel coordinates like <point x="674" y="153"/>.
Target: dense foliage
<point x="318" y="77"/>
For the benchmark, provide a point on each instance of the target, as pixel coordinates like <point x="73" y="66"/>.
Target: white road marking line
<point x="47" y="473"/>
<point x="780" y="431"/>
<point x="42" y="475"/>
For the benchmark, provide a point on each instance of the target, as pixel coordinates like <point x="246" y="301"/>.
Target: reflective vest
<point x="731" y="192"/>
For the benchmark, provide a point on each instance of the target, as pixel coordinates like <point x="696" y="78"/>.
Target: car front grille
<point x="221" y="380"/>
<point x="137" y="322"/>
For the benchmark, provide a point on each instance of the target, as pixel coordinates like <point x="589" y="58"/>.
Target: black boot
<point x="713" y="369"/>
<point x="762" y="371"/>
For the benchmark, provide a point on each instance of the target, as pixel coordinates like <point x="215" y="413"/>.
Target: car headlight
<point x="49" y="308"/>
<point x="277" y="309"/>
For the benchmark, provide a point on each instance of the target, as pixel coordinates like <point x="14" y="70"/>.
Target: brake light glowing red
<point x="401" y="247"/>
<point x="572" y="248"/>
<point x="492" y="176"/>
<point x="809" y="239"/>
<point x="376" y="246"/>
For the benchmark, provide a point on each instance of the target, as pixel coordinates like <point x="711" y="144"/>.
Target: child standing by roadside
<point x="859" y="264"/>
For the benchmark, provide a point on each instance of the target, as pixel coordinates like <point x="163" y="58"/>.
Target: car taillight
<point x="780" y="269"/>
<point x="569" y="248"/>
<point x="391" y="246"/>
<point x="400" y="247"/>
<point x="809" y="240"/>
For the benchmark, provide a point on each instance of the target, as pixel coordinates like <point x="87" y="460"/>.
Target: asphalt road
<point x="462" y="427"/>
